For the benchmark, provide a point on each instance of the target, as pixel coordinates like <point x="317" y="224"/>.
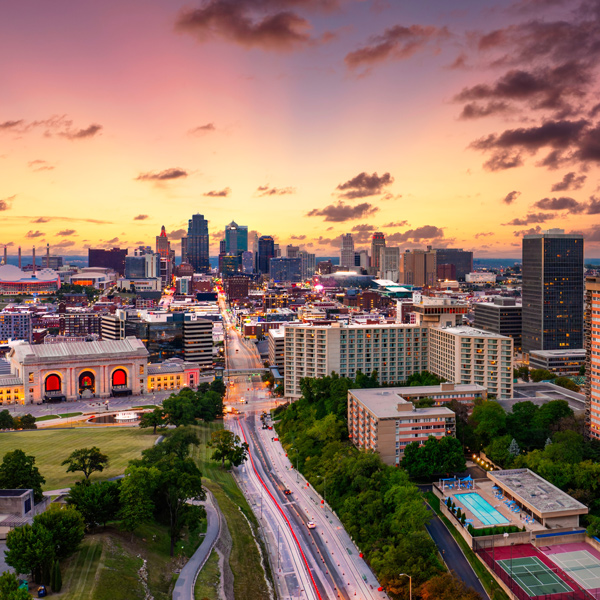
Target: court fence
<point x="485" y="550"/>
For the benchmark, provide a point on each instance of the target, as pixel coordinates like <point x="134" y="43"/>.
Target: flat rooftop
<point x="541" y="393"/>
<point x="466" y="331"/>
<point x="535" y="491"/>
<point x="383" y="404"/>
<point x="574" y="353"/>
<point x="418" y="390"/>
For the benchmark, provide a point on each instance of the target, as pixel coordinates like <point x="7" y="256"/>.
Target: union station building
<point x="74" y="370"/>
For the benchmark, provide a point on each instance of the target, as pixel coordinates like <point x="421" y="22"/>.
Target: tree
<point x="424" y="403"/>
<point x="228" y="447"/>
<point x="18" y="472"/>
<point x="25" y="422"/>
<point x="180" y="408"/>
<point x="6" y="420"/>
<point x="56" y="581"/>
<point x="66" y="526"/>
<point x="154" y="419"/>
<point x="498" y="452"/>
<point x="218" y="386"/>
<point x="489" y="419"/>
<point x="551" y="413"/>
<point x="514" y="449"/>
<point x="538" y="375"/>
<point x="137" y="490"/>
<point x="97" y="502"/>
<point x="567" y="383"/>
<point x="447" y="587"/>
<point x="86" y="460"/>
<point x="30" y="550"/>
<point x="9" y="588"/>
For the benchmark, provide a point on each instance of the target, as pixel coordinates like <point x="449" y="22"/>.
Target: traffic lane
<point x="323" y="589"/>
<point x="322" y="556"/>
<point x="367" y="586"/>
<point x="452" y="554"/>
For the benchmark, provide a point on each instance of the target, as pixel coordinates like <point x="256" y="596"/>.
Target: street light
<point x="409" y="584"/>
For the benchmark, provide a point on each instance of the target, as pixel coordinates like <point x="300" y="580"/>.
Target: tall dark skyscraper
<point x="196" y="244"/>
<point x="108" y="259"/>
<point x="461" y="259"/>
<point x="552" y="291"/>
<point x="266" y="251"/>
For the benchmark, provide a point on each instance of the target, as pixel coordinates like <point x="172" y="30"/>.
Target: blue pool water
<point x="481" y="508"/>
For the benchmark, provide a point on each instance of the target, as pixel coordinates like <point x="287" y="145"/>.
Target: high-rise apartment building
<point x="347" y="251"/>
<point x="307" y="265"/>
<point x="266" y="251"/>
<point x="15" y="326"/>
<point x="377" y="243"/>
<point x="108" y="259"/>
<point x="197" y="244"/>
<point x="419" y="268"/>
<point x="461" y="259"/>
<point x="592" y="352"/>
<point x="552" y="291"/>
<point x="465" y="355"/>
<point x="395" y="350"/>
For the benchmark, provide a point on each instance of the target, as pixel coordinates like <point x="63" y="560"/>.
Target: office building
<point x="361" y="259"/>
<point x="292" y="251"/>
<point x="395" y="350"/>
<point x="196" y="244"/>
<point x="436" y="312"/>
<point x="592" y="357"/>
<point x="15" y="326"/>
<point x="142" y="266"/>
<point x="248" y="262"/>
<point x="389" y="260"/>
<point x="79" y="324"/>
<point x="461" y="259"/>
<point x="563" y="363"/>
<point x="552" y="291"/>
<point x="377" y="242"/>
<point x="446" y="272"/>
<point x="113" y="259"/>
<point x="418" y="268"/>
<point x="503" y="316"/>
<point x="266" y="251"/>
<point x="481" y="278"/>
<point x="347" y="251"/>
<point x="383" y="421"/>
<point x="197" y="341"/>
<point x="307" y="264"/>
<point x="236" y="287"/>
<point x="286" y="269"/>
<point x="236" y="238"/>
<point x="229" y="264"/>
<point x="465" y="355"/>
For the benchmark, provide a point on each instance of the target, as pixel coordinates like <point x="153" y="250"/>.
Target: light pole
<point x="409" y="584"/>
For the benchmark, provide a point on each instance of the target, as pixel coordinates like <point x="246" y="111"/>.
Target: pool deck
<point x="484" y="487"/>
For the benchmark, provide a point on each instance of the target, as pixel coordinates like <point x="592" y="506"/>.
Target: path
<point x="453" y="555"/>
<point x="184" y="587"/>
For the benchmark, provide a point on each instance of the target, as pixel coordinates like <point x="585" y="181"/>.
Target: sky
<point x="454" y="124"/>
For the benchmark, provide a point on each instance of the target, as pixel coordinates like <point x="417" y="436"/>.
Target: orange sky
<point x="111" y="112"/>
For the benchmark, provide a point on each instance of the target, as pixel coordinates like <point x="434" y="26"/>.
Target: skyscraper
<point x="461" y="259"/>
<point x="236" y="238"/>
<point x="347" y="251"/>
<point x="266" y="251"/>
<point x="418" y="267"/>
<point x="552" y="291"/>
<point x="196" y="244"/>
<point x="167" y="257"/>
<point x="377" y="243"/>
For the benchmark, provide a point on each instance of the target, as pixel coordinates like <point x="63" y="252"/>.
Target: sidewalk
<point x="184" y="587"/>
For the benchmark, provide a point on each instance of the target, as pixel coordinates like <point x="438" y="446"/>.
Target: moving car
<point x="287" y="492"/>
<point x="311" y="524"/>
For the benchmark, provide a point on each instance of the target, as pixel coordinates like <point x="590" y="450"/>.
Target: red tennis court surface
<point x="491" y="556"/>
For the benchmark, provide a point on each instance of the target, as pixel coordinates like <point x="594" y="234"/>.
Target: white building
<point x="480" y="278"/>
<point x="395" y="350"/>
<point x="465" y="355"/>
<point x="347" y="251"/>
<point x="389" y="258"/>
<point x="276" y="339"/>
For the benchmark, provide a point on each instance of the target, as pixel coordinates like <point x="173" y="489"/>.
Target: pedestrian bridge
<point x="256" y="372"/>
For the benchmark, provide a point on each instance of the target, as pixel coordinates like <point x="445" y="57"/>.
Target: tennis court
<point x="582" y="566"/>
<point x="533" y="576"/>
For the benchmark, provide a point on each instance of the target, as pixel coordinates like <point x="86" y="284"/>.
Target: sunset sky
<point x="462" y="124"/>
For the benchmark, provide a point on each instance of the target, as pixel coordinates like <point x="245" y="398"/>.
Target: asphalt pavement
<point x="184" y="586"/>
<point x="453" y="556"/>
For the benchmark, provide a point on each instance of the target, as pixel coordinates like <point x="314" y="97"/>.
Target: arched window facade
<point x="53" y="383"/>
<point x="119" y="377"/>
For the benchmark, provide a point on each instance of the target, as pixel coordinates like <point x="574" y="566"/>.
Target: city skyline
<point x="304" y="119"/>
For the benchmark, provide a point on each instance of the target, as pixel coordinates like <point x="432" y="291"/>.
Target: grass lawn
<point x="46" y="418"/>
<point x="67" y="415"/>
<point x="107" y="565"/>
<point x="489" y="583"/>
<point x="207" y="584"/>
<point x="51" y="447"/>
<point x="249" y="576"/>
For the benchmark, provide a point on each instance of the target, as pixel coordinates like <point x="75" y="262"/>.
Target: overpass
<point x="245" y="372"/>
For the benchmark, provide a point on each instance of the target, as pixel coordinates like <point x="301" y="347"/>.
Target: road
<point x="308" y="563"/>
<point x="452" y="554"/>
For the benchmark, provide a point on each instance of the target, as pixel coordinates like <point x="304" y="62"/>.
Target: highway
<point x="319" y="563"/>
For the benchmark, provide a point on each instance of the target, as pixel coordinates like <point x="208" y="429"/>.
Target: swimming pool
<point x="481" y="508"/>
